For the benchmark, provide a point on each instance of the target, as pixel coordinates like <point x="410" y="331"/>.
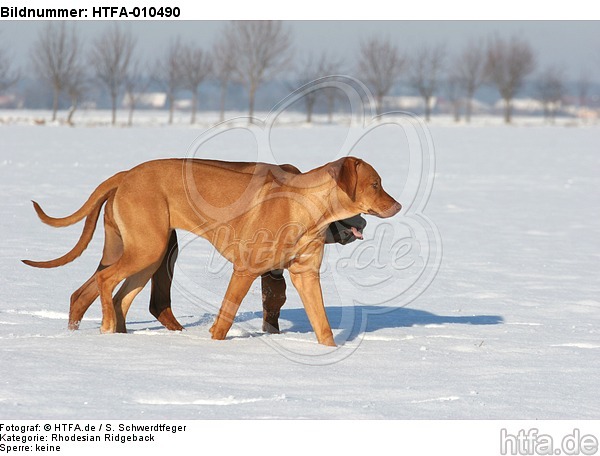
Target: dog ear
<point x="347" y="176"/>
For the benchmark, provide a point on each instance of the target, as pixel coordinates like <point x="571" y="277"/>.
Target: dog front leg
<point x="160" y="294"/>
<point x="239" y="284"/>
<point x="273" y="297"/>
<point x="308" y="285"/>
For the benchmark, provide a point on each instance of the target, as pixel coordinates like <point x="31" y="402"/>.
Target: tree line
<point x="251" y="53"/>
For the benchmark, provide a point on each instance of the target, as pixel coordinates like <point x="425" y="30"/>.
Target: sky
<point x="575" y="45"/>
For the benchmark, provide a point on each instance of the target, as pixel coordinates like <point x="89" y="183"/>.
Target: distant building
<point x="184" y="104"/>
<point x="407" y="103"/>
<point x="11" y="101"/>
<point x="522" y="104"/>
<point x="154" y="100"/>
<point x="587" y="114"/>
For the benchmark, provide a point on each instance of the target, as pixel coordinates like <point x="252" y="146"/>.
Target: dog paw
<point x="217" y="334"/>
<point x="74" y="325"/>
<point x="328" y="341"/>
<point x="269" y="328"/>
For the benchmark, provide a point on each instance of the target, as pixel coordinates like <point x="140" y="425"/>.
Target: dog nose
<point x="391" y="210"/>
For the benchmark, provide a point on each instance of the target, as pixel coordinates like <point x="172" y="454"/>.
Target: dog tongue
<point x="357" y="234"/>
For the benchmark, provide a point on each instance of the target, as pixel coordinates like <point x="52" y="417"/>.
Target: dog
<point x="260" y="217"/>
<point x="272" y="283"/>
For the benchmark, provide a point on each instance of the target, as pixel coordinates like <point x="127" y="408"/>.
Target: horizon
<point x="566" y="44"/>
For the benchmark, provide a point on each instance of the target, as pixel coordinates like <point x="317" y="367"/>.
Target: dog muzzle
<point x="345" y="231"/>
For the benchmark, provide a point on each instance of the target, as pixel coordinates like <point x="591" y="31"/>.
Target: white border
<point x="311" y="437"/>
<point x="346" y="9"/>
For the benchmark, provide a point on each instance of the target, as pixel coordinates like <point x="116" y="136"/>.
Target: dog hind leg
<point x="85" y="295"/>
<point x="143" y="250"/>
<point x="81" y="300"/>
<point x="129" y="265"/>
<point x="127" y="293"/>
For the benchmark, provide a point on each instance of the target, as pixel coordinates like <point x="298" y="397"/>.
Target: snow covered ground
<point x="508" y="329"/>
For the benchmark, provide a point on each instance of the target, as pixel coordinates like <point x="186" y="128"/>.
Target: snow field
<point x="507" y="330"/>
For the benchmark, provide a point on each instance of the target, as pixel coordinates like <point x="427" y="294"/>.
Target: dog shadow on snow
<point x="354" y="320"/>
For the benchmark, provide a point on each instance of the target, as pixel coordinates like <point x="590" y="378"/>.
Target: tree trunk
<point x="251" y="96"/>
<point x="194" y="104"/>
<point x="131" y="108"/>
<point x="224" y="85"/>
<point x="456" y="109"/>
<point x="171" y="107"/>
<point x="507" y="111"/>
<point x="54" y="103"/>
<point x="310" y="103"/>
<point x="72" y="109"/>
<point x="330" y="107"/>
<point x="469" y="109"/>
<point x="113" y="99"/>
<point x="427" y="108"/>
<point x="379" y="102"/>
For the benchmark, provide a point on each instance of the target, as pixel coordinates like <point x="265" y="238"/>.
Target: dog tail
<point x="98" y="196"/>
<point x="82" y="243"/>
<point x="91" y="210"/>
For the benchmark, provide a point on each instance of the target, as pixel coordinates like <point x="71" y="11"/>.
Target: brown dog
<point x="258" y="216"/>
<point x="272" y="283"/>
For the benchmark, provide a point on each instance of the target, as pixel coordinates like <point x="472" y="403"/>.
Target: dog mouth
<point x="357" y="233"/>
<point x="348" y="235"/>
<point x="389" y="212"/>
<point x="345" y="231"/>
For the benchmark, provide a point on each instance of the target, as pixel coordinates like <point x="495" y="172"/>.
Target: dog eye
<point x="375" y="185"/>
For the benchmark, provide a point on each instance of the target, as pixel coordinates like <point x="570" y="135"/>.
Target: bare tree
<point x="550" y="90"/>
<point x="55" y="54"/>
<point x="380" y="64"/>
<point x="584" y="83"/>
<point x="8" y="75"/>
<point x="195" y="66"/>
<point x="262" y="50"/>
<point x="311" y="70"/>
<point x="76" y="87"/>
<point x="136" y="86"/>
<point x="332" y="95"/>
<point x="332" y="67"/>
<point x="508" y="63"/>
<point x="308" y="72"/>
<point x="168" y="74"/>
<point x="111" y="56"/>
<point x="425" y="73"/>
<point x="223" y="56"/>
<point x="453" y="91"/>
<point x="469" y="68"/>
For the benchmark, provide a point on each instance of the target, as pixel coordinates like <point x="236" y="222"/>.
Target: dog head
<point x="361" y="189"/>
